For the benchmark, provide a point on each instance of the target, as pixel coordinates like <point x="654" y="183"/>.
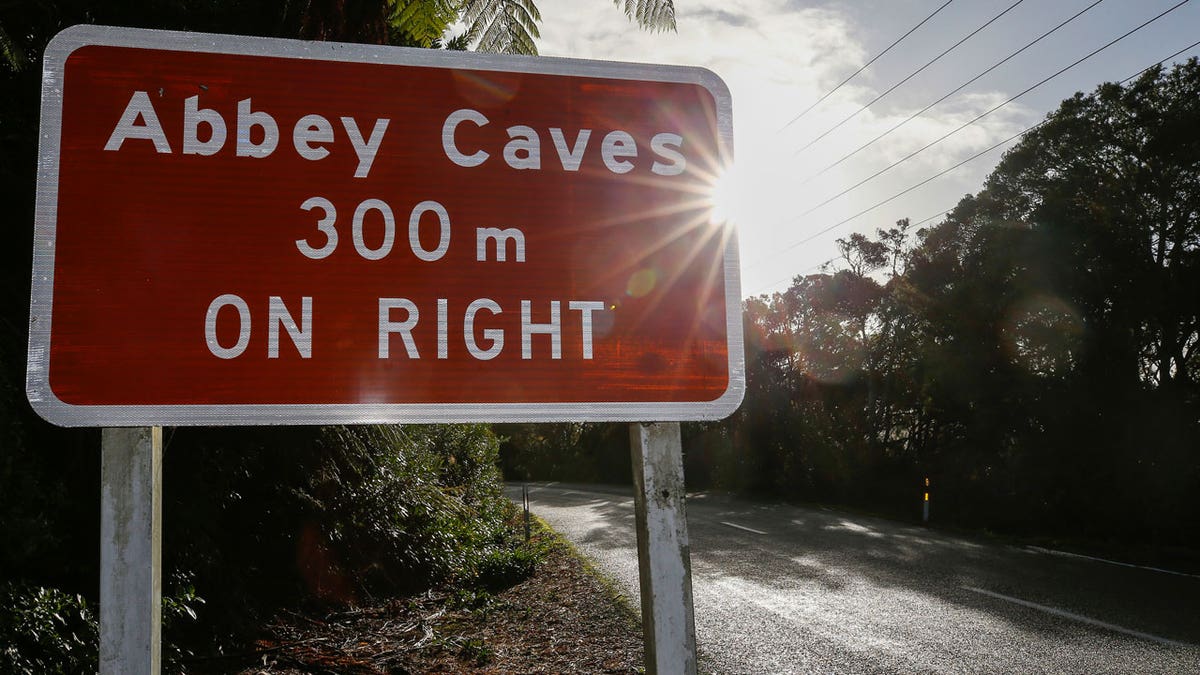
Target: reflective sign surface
<point x="237" y="230"/>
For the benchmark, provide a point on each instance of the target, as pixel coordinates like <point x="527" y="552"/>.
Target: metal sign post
<point x="664" y="560"/>
<point x="131" y="551"/>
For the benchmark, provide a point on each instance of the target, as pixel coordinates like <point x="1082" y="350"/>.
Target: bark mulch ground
<point x="562" y="619"/>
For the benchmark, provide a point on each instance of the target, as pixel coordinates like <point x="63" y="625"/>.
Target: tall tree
<point x="1113" y="180"/>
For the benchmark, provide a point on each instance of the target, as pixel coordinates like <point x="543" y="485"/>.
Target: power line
<point x="989" y="112"/>
<point x="912" y="187"/>
<point x="810" y="268"/>
<point x="909" y="77"/>
<point x="899" y="195"/>
<point x="802" y="272"/>
<point x="948" y="170"/>
<point x="864" y="66"/>
<point x="960" y="87"/>
<point x="939" y="213"/>
<point x="1143" y="70"/>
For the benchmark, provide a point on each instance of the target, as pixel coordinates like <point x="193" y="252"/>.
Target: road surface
<point x="786" y="589"/>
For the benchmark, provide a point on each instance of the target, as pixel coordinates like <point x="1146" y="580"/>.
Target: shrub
<point x="46" y="631"/>
<point x="263" y="518"/>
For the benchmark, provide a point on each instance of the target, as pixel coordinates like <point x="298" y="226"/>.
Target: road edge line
<point x="1050" y="551"/>
<point x="1081" y="619"/>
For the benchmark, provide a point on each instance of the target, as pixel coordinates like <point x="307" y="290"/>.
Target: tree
<point x="1111" y="179"/>
<point x="1063" y="316"/>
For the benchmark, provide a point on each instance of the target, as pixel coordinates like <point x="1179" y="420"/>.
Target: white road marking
<point x="1049" y="551"/>
<point x="1080" y="618"/>
<point x="742" y="527"/>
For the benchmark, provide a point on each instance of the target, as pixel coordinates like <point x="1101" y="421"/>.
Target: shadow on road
<point x="865" y="561"/>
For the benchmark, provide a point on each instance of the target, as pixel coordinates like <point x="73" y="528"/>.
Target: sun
<point x="728" y="197"/>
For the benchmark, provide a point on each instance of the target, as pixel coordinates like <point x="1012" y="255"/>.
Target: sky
<point x="778" y="57"/>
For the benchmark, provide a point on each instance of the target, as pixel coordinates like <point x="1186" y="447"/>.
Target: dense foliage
<point x="260" y="517"/>
<point x="577" y="452"/>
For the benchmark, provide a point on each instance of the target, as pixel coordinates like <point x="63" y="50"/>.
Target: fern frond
<point x="424" y="22"/>
<point x="502" y="26"/>
<point x="11" y="52"/>
<point x="653" y="15"/>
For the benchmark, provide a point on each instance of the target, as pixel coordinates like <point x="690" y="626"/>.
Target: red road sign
<point x="242" y="230"/>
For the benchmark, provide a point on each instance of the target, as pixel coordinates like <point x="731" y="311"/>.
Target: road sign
<point x="239" y="230"/>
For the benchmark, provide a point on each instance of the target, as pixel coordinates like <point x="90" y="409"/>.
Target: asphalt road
<point x="785" y="589"/>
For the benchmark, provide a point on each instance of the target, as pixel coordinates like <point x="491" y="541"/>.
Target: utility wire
<point x="802" y="272"/>
<point x="833" y="260"/>
<point x="1143" y="70"/>
<point x="864" y="67"/>
<point x="910" y="188"/>
<point x="989" y="112"/>
<point x="909" y="77"/>
<point x="960" y="87"/>
<point x="819" y="265"/>
<point x="939" y="213"/>
<point x="942" y="173"/>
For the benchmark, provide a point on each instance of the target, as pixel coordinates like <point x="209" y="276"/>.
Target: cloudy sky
<point x="780" y="56"/>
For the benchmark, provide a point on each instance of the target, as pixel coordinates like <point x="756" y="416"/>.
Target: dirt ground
<point x="562" y="619"/>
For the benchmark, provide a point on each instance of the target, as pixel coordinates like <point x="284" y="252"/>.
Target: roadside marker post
<point x="323" y="233"/>
<point x="525" y="507"/>
<point x="925" y="504"/>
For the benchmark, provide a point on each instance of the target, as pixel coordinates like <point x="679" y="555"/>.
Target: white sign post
<point x="664" y="558"/>
<point x="131" y="551"/>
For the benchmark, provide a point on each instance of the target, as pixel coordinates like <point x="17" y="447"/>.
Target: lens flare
<point x="642" y="282"/>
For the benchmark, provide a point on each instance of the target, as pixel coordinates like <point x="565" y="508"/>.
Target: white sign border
<point x="53" y="409"/>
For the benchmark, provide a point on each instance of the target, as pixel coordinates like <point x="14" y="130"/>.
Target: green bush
<point x="503" y="567"/>
<point x="45" y="630"/>
<point x="262" y="518"/>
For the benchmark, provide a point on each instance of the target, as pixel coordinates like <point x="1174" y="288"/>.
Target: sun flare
<point x="728" y="198"/>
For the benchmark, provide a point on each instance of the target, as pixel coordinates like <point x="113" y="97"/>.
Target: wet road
<point x="786" y="589"/>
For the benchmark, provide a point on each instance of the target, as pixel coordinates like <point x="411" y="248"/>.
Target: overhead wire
<point x="990" y="111"/>
<point x="911" y="75"/>
<point x="942" y="173"/>
<point x="810" y="268"/>
<point x="833" y="260"/>
<point x="910" y="188"/>
<point x="864" y="66"/>
<point x="957" y="89"/>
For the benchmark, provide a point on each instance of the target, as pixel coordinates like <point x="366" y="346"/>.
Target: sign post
<point x="292" y="232"/>
<point x="131" y="550"/>
<point x="664" y="559"/>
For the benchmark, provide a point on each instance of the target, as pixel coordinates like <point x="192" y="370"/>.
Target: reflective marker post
<point x="925" y="506"/>
<point x="131" y="551"/>
<point x="664" y="558"/>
